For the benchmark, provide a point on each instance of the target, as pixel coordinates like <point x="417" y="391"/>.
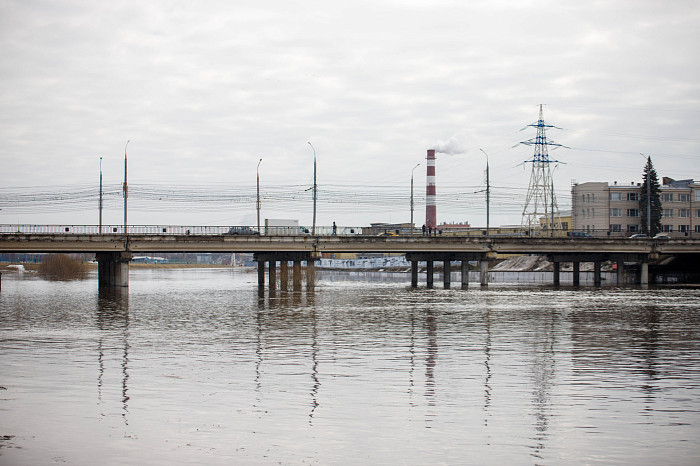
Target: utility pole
<point x="551" y="229"/>
<point x="488" y="191"/>
<point x="412" y="225"/>
<point x="126" y="190"/>
<point x="100" y="195"/>
<point x="258" y="194"/>
<point x="313" y="226"/>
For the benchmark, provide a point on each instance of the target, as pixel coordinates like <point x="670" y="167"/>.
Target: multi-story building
<point x="613" y="210"/>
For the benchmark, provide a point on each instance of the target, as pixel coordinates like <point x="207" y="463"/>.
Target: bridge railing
<point x="160" y="230"/>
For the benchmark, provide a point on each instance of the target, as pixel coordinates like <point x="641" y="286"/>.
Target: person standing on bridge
<point x="335" y="229"/>
<point x="423" y="229"/>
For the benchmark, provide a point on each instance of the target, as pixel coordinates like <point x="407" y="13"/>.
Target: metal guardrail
<point x="281" y="231"/>
<point x="161" y="230"/>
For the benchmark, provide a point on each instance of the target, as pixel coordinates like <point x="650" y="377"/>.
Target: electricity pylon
<point x="541" y="202"/>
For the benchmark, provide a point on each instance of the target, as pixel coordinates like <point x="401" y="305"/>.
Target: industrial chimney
<point x="430" y="204"/>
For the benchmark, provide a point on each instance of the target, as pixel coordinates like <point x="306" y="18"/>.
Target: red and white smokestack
<point x="430" y="201"/>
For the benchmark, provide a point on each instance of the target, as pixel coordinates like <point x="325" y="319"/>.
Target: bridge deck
<point x="142" y="243"/>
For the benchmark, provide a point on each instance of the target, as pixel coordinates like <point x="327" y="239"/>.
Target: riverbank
<point x="33" y="267"/>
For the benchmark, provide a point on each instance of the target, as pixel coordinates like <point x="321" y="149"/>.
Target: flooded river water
<point x="197" y="367"/>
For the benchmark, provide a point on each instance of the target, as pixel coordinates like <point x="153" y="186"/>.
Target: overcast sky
<point x="204" y="89"/>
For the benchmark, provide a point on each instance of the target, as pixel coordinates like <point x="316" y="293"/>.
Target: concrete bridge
<point x="114" y="250"/>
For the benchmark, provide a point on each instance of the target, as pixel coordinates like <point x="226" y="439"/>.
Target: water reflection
<point x="225" y="374"/>
<point x="113" y="343"/>
<point x="431" y="356"/>
<point x="288" y="311"/>
<point x="543" y="371"/>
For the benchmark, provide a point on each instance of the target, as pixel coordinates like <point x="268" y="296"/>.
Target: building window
<point x="583" y="198"/>
<point x="615" y="228"/>
<point x="667" y="228"/>
<point x="593" y="212"/>
<point x="588" y="198"/>
<point x="564" y="225"/>
<point x="615" y="196"/>
<point x="697" y="214"/>
<point x="616" y="212"/>
<point x="667" y="213"/>
<point x="633" y="212"/>
<point x="684" y="197"/>
<point x="632" y="196"/>
<point x="667" y="197"/>
<point x="697" y="228"/>
<point x="697" y="194"/>
<point x="683" y="213"/>
<point x="684" y="228"/>
<point x="592" y="197"/>
<point x="632" y="228"/>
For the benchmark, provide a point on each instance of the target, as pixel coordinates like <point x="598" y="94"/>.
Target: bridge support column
<point x="465" y="274"/>
<point x="576" y="273"/>
<point x="261" y="273"/>
<point x="447" y="265"/>
<point x="272" y="272"/>
<point x="447" y="258"/>
<point x="296" y="276"/>
<point x="284" y="275"/>
<point x="596" y="274"/>
<point x="284" y="259"/>
<point x="310" y="275"/>
<point x="644" y="273"/>
<point x="484" y="272"/>
<point x="556" y="266"/>
<point x="113" y="269"/>
<point x="620" y="273"/>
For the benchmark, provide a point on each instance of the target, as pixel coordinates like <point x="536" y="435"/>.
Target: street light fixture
<point x="126" y="190"/>
<point x="258" y="193"/>
<point x="100" y="195"/>
<point x="313" y="226"/>
<point x="412" y="225"/>
<point x="488" y="191"/>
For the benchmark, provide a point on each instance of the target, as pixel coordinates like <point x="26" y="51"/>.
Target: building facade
<point x="613" y="210"/>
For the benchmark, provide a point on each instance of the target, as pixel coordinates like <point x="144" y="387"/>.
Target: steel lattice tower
<point x="541" y="202"/>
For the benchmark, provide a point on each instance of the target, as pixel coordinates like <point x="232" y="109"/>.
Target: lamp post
<point x="412" y="225"/>
<point x="126" y="190"/>
<point x="313" y="225"/>
<point x="258" y="193"/>
<point x="100" y="205"/>
<point x="488" y="191"/>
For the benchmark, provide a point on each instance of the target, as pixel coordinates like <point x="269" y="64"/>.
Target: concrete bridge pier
<point x="620" y="273"/>
<point x="447" y="258"/>
<point x="271" y="258"/>
<point x="484" y="272"/>
<point x="113" y="269"/>
<point x="596" y="274"/>
<point x="556" y="267"/>
<point x="644" y="273"/>
<point x="465" y="274"/>
<point x="414" y="274"/>
<point x="576" y="273"/>
<point x="284" y="275"/>
<point x="597" y="259"/>
<point x="429" y="273"/>
<point x="446" y="269"/>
